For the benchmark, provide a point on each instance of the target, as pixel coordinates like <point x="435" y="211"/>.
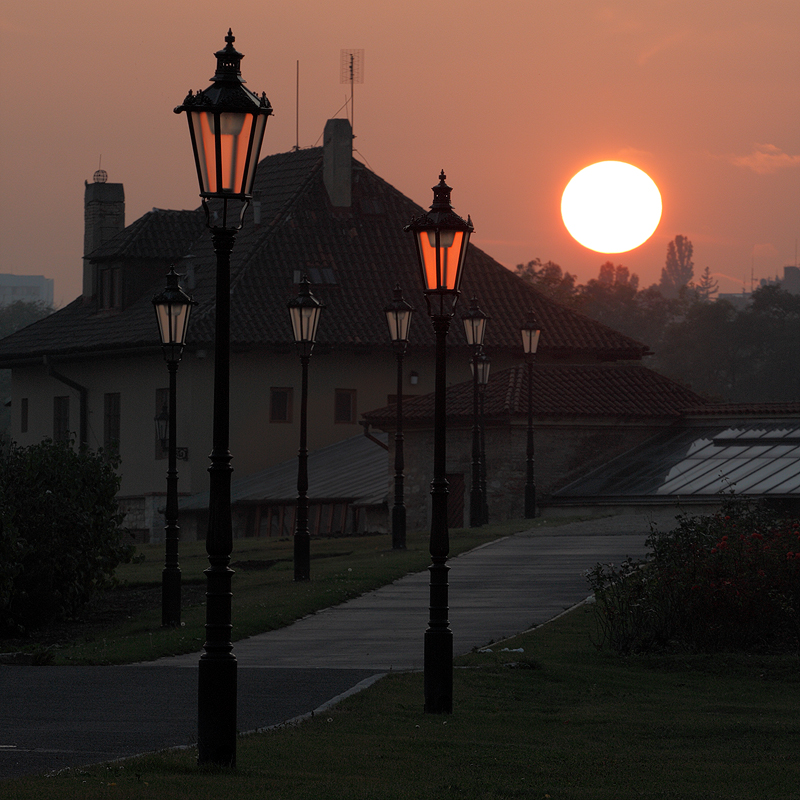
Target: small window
<point x="280" y="404"/>
<point x="345" y="406"/>
<point x="23" y="415"/>
<point x="111" y="286"/>
<point x="111" y="423"/>
<point x="61" y="419"/>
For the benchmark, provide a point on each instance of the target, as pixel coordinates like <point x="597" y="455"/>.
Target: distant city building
<point x="30" y="288"/>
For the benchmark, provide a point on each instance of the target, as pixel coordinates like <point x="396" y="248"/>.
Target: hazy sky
<point x="510" y="97"/>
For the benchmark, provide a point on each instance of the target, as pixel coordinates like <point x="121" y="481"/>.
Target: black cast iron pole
<point x="171" y="574"/>
<point x="438" y="656"/>
<point x="475" y="493"/>
<point x="302" y="538"/>
<point x="217" y="683"/>
<point x="530" y="486"/>
<point x="399" y="508"/>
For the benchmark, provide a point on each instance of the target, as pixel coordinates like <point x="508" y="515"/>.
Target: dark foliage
<point x="728" y="581"/>
<point x="60" y="535"/>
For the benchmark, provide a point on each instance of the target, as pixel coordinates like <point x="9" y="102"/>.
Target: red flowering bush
<point x="726" y="581"/>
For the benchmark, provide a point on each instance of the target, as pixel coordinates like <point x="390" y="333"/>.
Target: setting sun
<point x="611" y="207"/>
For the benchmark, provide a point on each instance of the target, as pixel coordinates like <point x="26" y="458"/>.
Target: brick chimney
<point x="337" y="161"/>
<point x="103" y="218"/>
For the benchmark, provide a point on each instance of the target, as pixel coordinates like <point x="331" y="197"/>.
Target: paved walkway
<point x="52" y="717"/>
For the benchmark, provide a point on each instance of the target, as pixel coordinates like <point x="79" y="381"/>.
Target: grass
<point x="265" y="596"/>
<point x="559" y="720"/>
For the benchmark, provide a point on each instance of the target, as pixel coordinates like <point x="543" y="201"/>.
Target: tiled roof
<point x="353" y="256"/>
<point x="571" y="390"/>
<point x="745" y="409"/>
<point x="356" y="469"/>
<point x="157" y="234"/>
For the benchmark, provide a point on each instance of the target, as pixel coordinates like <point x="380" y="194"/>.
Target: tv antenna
<point x="352" y="72"/>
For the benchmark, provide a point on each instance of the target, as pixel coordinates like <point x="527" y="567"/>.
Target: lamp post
<point x="398" y="317"/>
<point x="475" y="328"/>
<point x="173" y="309"/>
<point x="484" y="364"/>
<point x="304" y="311"/>
<point x="441" y="238"/>
<point x="226" y="125"/>
<point x="530" y="331"/>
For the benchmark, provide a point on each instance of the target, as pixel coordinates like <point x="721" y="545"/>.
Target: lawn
<point x="265" y="595"/>
<point x="544" y="715"/>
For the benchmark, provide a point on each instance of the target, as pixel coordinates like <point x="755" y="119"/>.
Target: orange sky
<point x="511" y="98"/>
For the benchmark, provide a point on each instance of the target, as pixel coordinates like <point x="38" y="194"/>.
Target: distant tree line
<point x="720" y="352"/>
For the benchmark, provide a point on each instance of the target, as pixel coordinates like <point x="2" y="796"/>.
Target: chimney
<point x="103" y="218"/>
<point x="337" y="161"/>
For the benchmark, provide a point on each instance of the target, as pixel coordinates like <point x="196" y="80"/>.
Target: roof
<point x="158" y="234"/>
<point x="750" y="457"/>
<point x="355" y="470"/>
<point x="354" y="258"/>
<point x="558" y="390"/>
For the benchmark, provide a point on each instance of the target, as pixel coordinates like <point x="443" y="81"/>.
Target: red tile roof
<point x="568" y="390"/>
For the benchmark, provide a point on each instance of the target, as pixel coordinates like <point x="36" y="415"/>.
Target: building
<point x="26" y="288"/>
<point x="94" y="369"/>
<point x="584" y="416"/>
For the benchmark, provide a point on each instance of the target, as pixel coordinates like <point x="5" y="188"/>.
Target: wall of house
<point x="256" y="443"/>
<point x="563" y="450"/>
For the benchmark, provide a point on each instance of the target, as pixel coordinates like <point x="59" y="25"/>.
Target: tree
<point x="20" y="314"/>
<point x="13" y="317"/>
<point x="706" y="287"/>
<point x="60" y="534"/>
<point x="679" y="268"/>
<point x="550" y="280"/>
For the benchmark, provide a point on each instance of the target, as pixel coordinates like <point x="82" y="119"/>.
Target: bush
<point x="60" y="535"/>
<point x="726" y="581"/>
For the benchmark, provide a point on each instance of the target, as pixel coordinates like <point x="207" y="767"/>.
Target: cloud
<point x="766" y="159"/>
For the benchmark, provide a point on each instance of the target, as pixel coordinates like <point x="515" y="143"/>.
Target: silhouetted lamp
<point x="226" y="125"/>
<point x="441" y="238"/>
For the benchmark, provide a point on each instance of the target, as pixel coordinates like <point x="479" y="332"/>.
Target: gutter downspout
<point x="371" y="437"/>
<point x="83" y="433"/>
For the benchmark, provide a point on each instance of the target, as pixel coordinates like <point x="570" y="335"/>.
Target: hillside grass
<point x="558" y="720"/>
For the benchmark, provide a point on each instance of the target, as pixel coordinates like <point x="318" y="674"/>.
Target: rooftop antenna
<point x="297" y="109"/>
<point x="352" y="71"/>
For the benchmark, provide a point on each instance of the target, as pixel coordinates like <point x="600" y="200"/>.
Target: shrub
<point x="726" y="581"/>
<point x="60" y="535"/>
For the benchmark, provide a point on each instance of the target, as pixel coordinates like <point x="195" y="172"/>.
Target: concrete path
<point x="52" y="717"/>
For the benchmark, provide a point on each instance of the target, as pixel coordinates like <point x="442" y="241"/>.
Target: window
<point x="111" y="287"/>
<point x="345" y="405"/>
<point x="61" y="419"/>
<point x="280" y="405"/>
<point x="23" y="415"/>
<point x="111" y="423"/>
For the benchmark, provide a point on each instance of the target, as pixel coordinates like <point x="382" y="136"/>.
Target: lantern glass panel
<point x="530" y="339"/>
<point x="225" y="149"/>
<point x="399" y="323"/>
<point x="173" y="322"/>
<point x="440" y="252"/>
<point x="304" y="322"/>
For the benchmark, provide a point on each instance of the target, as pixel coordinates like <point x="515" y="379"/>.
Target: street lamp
<point x="475" y="328"/>
<point x="226" y="125"/>
<point x="441" y="238"/>
<point x="398" y="317"/>
<point x="304" y="311"/>
<point x="173" y="309"/>
<point x="484" y="365"/>
<point x="530" y="331"/>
